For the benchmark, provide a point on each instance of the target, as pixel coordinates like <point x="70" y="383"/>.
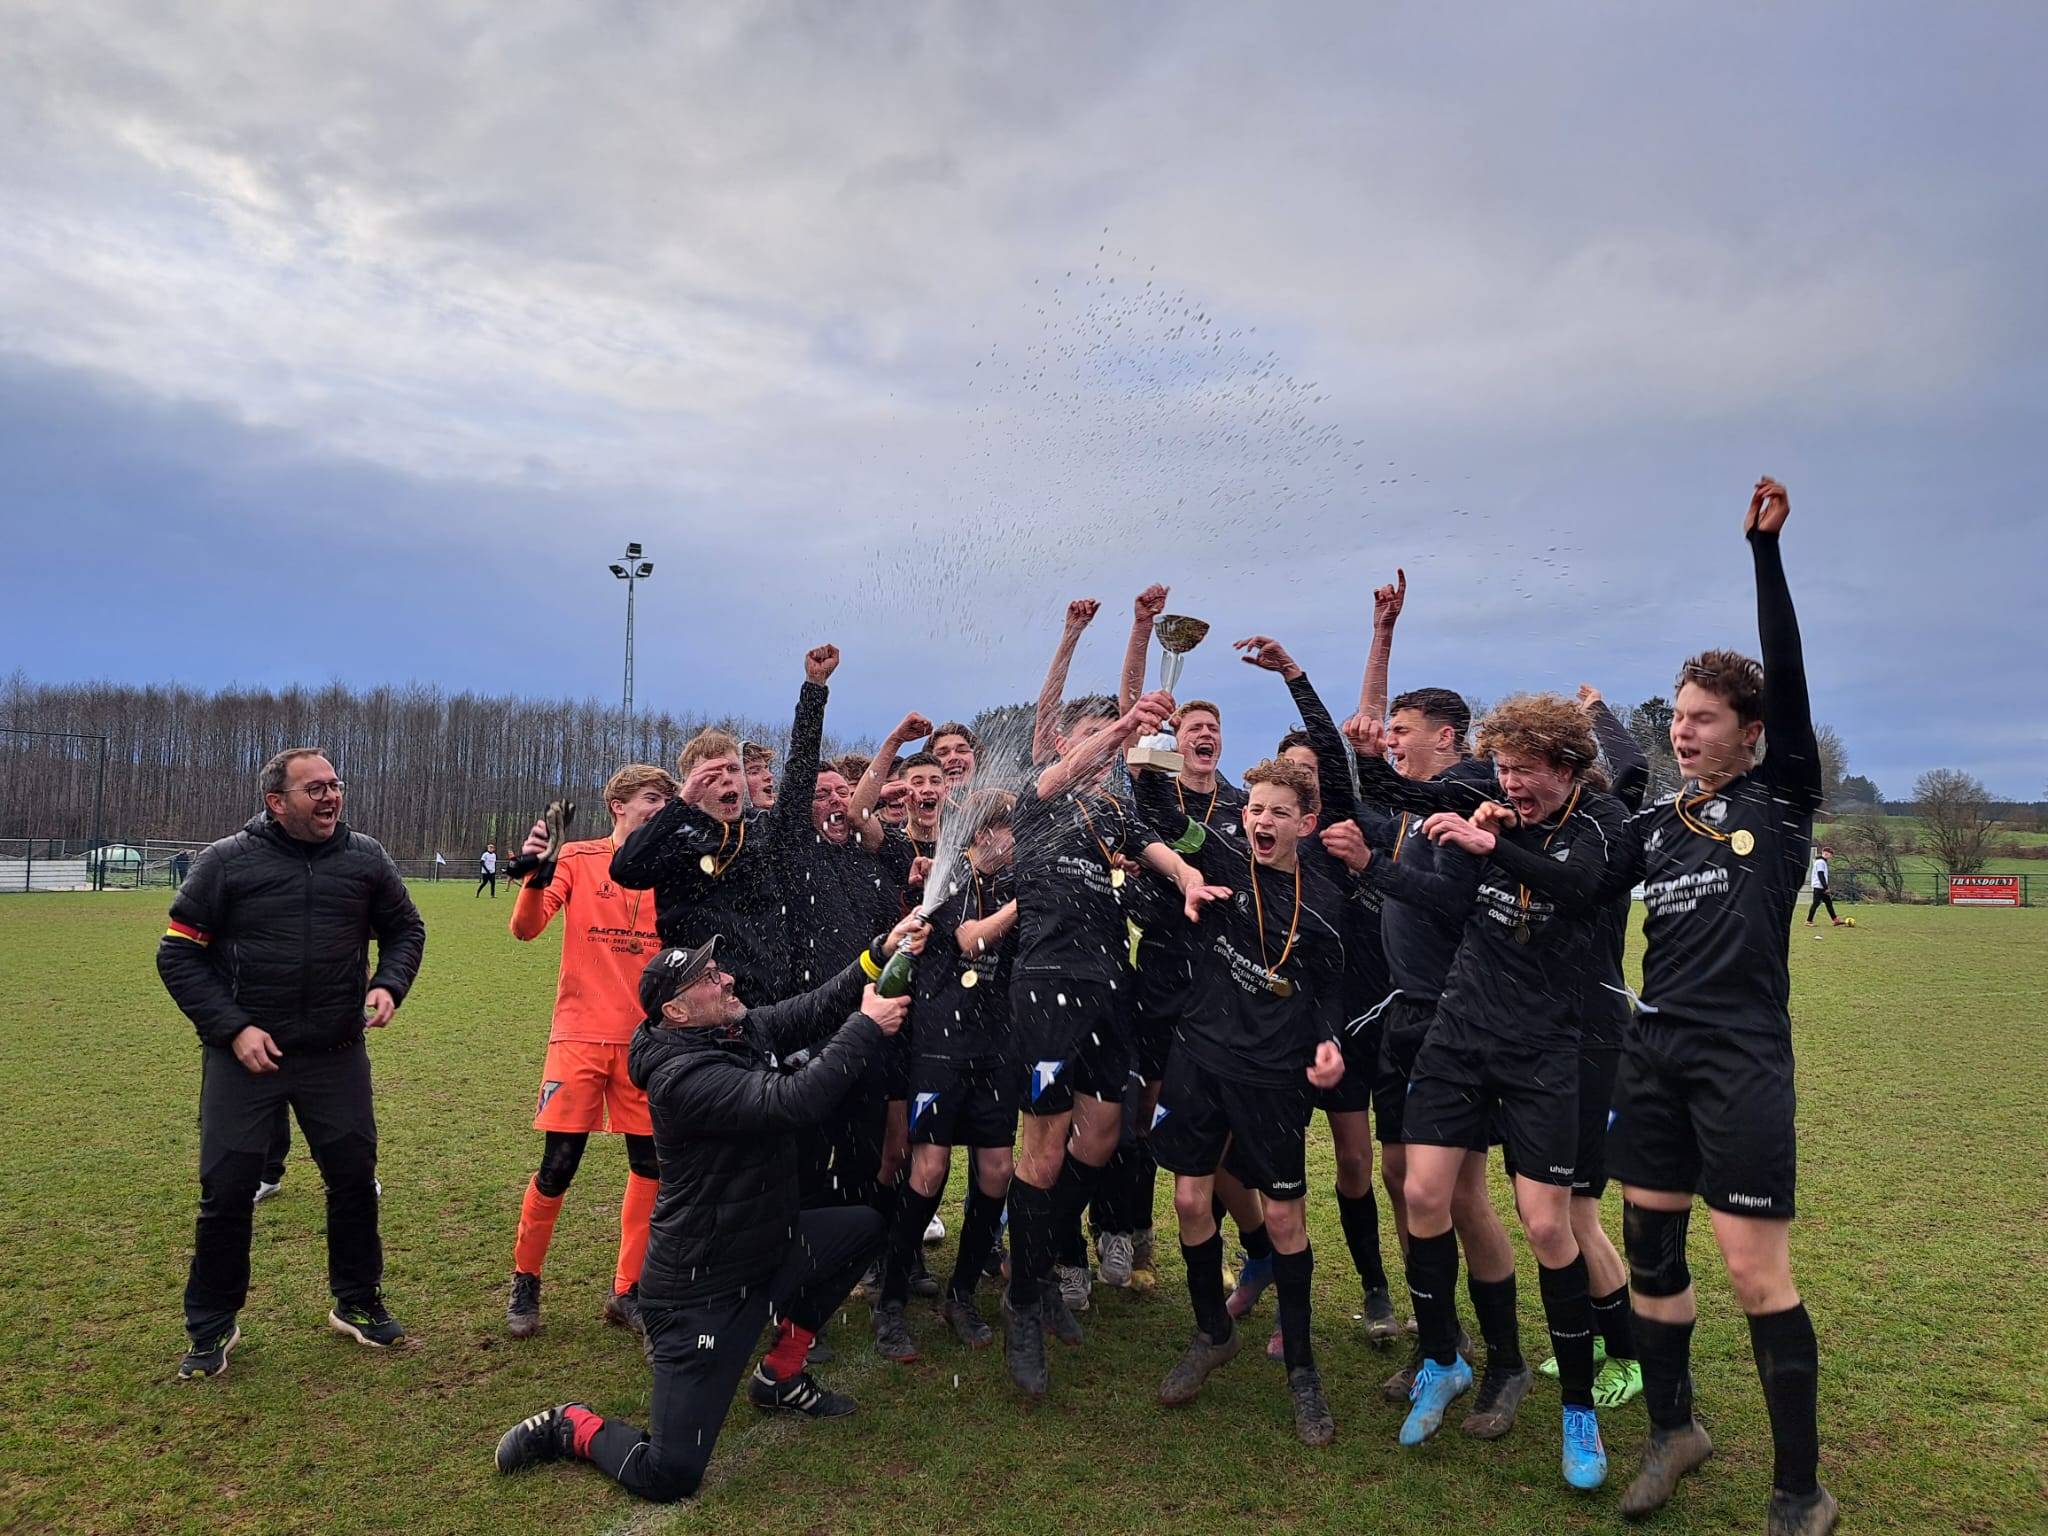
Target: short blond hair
<point x="634" y="777"/>
<point x="704" y="747"/>
<point x="1545" y="725"/>
<point x="1193" y="705"/>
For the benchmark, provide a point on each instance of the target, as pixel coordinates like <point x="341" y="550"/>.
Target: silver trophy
<point x="1177" y="634"/>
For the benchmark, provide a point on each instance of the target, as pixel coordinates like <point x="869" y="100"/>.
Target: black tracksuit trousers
<point x="700" y="1351"/>
<point x="240" y="1112"/>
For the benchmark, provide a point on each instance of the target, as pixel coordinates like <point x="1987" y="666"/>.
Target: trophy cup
<point x="1177" y="634"/>
<point x="541" y="866"/>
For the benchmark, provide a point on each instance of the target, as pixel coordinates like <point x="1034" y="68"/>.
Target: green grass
<point x="1923" y="1185"/>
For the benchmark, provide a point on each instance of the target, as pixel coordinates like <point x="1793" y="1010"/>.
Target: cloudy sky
<point x="353" y="341"/>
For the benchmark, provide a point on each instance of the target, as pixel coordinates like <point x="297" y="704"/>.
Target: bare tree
<point x="1874" y="851"/>
<point x="1834" y="763"/>
<point x="1952" y="807"/>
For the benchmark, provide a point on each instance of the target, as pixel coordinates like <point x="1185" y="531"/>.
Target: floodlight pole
<point x="632" y="568"/>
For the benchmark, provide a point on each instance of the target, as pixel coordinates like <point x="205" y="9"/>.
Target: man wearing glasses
<point x="267" y="950"/>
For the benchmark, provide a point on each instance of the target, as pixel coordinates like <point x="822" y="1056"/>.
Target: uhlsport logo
<point x="1753" y="1202"/>
<point x="1043" y="1075"/>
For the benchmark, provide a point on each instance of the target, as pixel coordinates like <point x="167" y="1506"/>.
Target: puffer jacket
<point x="270" y="931"/>
<point x="725" y="1119"/>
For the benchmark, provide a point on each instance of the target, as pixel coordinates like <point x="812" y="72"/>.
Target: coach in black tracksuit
<point x="729" y="1244"/>
<point x="267" y="953"/>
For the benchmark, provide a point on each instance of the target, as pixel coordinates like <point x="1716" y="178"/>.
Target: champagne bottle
<point x="895" y="978"/>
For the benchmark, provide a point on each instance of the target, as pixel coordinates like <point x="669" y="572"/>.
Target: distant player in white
<point x="1823" y="888"/>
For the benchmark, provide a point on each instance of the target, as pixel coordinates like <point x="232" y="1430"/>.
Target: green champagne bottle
<point x="895" y="978"/>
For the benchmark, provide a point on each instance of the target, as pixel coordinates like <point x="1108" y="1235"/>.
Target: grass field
<point x="1924" y="1183"/>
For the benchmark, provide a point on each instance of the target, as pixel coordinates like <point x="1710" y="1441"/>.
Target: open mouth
<point x="927" y="803"/>
<point x="730" y="801"/>
<point x="1203" y="753"/>
<point x="1264" y="842"/>
<point x="956" y="771"/>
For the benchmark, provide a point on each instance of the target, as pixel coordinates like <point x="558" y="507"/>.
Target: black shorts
<point x="1151" y="1044"/>
<point x="1597" y="1066"/>
<point x="962" y="1104"/>
<point x="1266" y="1128"/>
<point x="1707" y="1111"/>
<point x="1466" y="1082"/>
<point x="1354" y="1091"/>
<point x="1404" y="1022"/>
<point x="1073" y="1037"/>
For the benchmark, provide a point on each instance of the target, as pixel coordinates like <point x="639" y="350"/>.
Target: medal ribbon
<point x="720" y="865"/>
<point x="1569" y="806"/>
<point x="1259" y="910"/>
<point x="1693" y="823"/>
<point x="1108" y="859"/>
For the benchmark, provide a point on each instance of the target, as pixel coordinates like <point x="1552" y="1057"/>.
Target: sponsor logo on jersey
<point x="1716" y="811"/>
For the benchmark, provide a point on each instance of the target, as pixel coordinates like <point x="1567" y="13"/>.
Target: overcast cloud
<point x="352" y="341"/>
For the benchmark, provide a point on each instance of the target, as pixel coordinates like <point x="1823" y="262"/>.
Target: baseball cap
<point x="670" y="971"/>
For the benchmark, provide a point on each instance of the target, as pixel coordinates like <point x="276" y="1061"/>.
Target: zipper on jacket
<point x="306" y="951"/>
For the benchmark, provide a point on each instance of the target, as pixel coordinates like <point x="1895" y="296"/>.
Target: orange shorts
<point x="584" y="1087"/>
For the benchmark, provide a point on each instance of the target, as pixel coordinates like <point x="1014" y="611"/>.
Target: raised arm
<point x="1045" y="723"/>
<point x="1625" y="761"/>
<point x="1791" y="755"/>
<point x="1084" y="757"/>
<point x="1333" y="764"/>
<point x="666" y="846"/>
<point x="196" y="985"/>
<point x="867" y="794"/>
<point x="1149" y="605"/>
<point x="1387" y="603"/>
<point x="790" y="820"/>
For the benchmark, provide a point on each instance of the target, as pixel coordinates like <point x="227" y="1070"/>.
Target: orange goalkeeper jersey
<point x="607" y="938"/>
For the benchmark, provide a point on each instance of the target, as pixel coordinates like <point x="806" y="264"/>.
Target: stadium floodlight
<point x="631" y="569"/>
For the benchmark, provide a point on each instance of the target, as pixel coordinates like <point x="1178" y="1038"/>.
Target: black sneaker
<point x="892" y="1334"/>
<point x="1811" y="1514"/>
<point x="1312" y="1421"/>
<point x="622" y="1310"/>
<point x="797" y="1394"/>
<point x="368" y="1323"/>
<point x="1668" y="1454"/>
<point x="547" y="1436"/>
<point x="966" y="1321"/>
<point x="922" y="1281"/>
<point x="1024" y="1348"/>
<point x="1059" y="1318"/>
<point x="1498" y="1400"/>
<point x="1382" y="1327"/>
<point x="211" y="1359"/>
<point x="522" y="1312"/>
<point x="1202" y="1356"/>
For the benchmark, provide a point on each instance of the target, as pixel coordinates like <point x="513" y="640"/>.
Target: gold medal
<point x="1521" y="933"/>
<point x="1116" y="879"/>
<point x="709" y="864"/>
<point x="636" y="947"/>
<point x="1280" y="985"/>
<point x="970" y="977"/>
<point x="1743" y="841"/>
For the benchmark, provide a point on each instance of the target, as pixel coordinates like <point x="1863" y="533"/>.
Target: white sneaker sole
<point x="341" y="1325"/>
<point x="234" y="1338"/>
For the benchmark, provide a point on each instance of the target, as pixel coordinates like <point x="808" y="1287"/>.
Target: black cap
<point x="672" y="970"/>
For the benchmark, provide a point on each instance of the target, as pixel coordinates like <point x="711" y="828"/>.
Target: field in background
<point x="1924" y="1177"/>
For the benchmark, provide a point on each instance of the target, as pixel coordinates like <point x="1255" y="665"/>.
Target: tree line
<point x="427" y="771"/>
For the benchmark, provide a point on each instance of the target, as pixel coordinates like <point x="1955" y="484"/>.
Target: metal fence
<point x="83" y="864"/>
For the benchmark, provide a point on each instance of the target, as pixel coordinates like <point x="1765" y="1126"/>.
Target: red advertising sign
<point x="1983" y="890"/>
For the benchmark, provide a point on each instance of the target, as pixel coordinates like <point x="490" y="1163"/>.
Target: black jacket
<point x="270" y="931"/>
<point x="724" y="1115"/>
<point x="839" y="897"/>
<point x="747" y="900"/>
